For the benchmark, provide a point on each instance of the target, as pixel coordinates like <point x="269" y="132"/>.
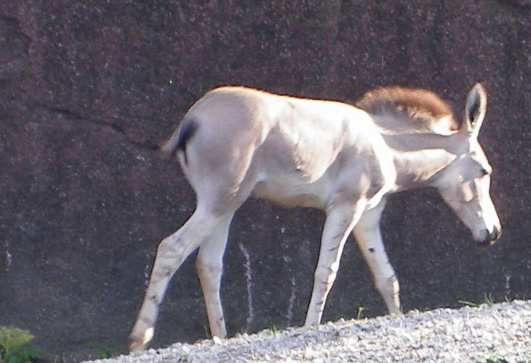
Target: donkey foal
<point x="236" y="142"/>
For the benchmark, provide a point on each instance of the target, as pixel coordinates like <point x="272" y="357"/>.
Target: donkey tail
<point x="180" y="138"/>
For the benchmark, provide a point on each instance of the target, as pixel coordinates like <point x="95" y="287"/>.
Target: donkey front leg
<point x="209" y="266"/>
<point x="338" y="225"/>
<point x="369" y="238"/>
<point x="171" y="253"/>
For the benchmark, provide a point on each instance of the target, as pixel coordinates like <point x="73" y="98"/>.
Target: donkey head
<point x="465" y="186"/>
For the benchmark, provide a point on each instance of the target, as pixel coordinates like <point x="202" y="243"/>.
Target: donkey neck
<point x="419" y="157"/>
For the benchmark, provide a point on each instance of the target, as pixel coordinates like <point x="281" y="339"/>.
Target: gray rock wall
<point x="87" y="88"/>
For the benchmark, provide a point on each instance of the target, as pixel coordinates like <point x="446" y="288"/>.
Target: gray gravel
<point x="496" y="333"/>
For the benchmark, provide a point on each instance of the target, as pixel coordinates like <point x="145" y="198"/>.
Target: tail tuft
<point x="180" y="138"/>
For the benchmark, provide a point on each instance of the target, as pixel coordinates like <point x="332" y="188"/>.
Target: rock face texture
<point x="88" y="88"/>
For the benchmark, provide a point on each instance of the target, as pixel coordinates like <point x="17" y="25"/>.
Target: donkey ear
<point x="475" y="109"/>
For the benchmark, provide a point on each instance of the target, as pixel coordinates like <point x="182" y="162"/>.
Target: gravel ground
<point x="496" y="333"/>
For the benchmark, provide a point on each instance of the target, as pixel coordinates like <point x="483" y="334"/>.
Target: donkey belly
<point x="289" y="192"/>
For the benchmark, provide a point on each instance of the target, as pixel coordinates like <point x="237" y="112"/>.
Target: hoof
<point x="138" y="342"/>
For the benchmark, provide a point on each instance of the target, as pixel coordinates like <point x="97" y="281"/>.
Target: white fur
<point x="321" y="154"/>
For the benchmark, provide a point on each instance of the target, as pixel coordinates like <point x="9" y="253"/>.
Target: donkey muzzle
<point x="491" y="237"/>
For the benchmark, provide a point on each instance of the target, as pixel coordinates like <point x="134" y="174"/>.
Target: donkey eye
<point x="484" y="172"/>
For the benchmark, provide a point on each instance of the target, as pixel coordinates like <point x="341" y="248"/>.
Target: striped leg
<point x="338" y="225"/>
<point x="171" y="253"/>
<point x="209" y="266"/>
<point x="369" y="238"/>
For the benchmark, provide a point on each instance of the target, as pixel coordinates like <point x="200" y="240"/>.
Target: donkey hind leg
<point x="338" y="225"/>
<point x="171" y="253"/>
<point x="369" y="238"/>
<point x="209" y="266"/>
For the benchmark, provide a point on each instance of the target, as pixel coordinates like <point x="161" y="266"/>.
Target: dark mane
<point x="401" y="109"/>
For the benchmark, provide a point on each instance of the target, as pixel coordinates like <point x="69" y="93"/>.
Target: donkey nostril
<point x="491" y="237"/>
<point x="496" y="233"/>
